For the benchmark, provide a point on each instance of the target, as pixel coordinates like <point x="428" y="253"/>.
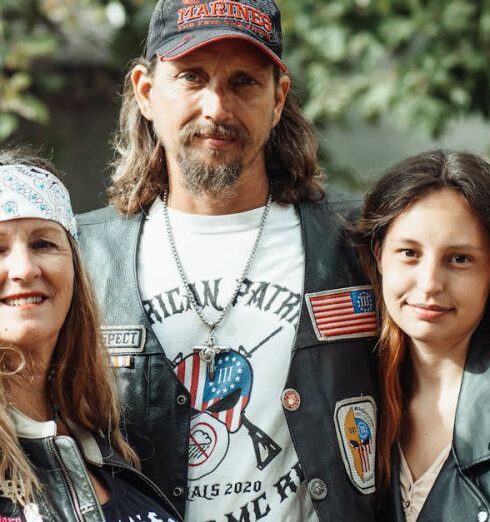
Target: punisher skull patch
<point x="355" y="423"/>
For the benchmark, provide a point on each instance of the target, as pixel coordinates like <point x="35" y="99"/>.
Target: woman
<point x="424" y="237"/>
<point x="62" y="456"/>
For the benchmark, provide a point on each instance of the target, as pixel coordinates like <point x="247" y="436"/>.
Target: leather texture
<point x="61" y="468"/>
<point x="322" y="372"/>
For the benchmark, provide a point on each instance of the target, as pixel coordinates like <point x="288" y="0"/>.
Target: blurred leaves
<point x="26" y="38"/>
<point x="425" y="62"/>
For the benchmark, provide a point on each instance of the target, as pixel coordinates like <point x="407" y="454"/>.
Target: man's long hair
<point x="139" y="168"/>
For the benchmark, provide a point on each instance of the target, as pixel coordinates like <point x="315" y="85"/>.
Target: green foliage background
<point x="426" y="63"/>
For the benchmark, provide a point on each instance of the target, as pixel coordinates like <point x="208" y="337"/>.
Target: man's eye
<point x="244" y="80"/>
<point x="191" y="76"/>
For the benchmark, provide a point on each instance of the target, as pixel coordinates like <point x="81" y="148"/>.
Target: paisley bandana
<point x="32" y="192"/>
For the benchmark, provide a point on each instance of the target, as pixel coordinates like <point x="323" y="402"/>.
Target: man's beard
<point x="216" y="178"/>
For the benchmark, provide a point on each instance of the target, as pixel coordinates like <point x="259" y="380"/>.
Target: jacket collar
<point x="28" y="428"/>
<point x="471" y="439"/>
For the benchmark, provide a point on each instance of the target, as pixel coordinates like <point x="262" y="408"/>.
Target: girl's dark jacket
<point x="461" y="491"/>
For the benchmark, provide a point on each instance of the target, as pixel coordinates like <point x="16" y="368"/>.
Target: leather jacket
<point x="461" y="491"/>
<point x="60" y="464"/>
<point x="322" y="374"/>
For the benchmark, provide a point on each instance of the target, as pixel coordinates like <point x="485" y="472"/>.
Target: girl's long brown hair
<point x="399" y="188"/>
<point x="84" y="386"/>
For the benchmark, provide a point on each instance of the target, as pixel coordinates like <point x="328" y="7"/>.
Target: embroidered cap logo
<point x="234" y="13"/>
<point x="178" y="27"/>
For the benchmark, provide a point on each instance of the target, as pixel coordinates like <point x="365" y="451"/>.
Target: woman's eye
<point x="42" y="244"/>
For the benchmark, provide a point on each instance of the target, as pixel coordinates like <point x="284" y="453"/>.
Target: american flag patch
<point x="343" y="313"/>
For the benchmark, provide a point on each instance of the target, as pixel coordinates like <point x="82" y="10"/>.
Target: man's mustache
<point x="217" y="130"/>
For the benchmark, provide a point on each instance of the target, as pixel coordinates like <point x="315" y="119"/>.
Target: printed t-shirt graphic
<point x="242" y="463"/>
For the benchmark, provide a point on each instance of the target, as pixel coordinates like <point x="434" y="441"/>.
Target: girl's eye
<point x="407" y="252"/>
<point x="460" y="259"/>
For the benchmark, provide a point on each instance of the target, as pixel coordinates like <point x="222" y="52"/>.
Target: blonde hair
<point x="83" y="385"/>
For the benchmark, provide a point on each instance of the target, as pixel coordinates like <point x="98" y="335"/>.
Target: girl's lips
<point x="429" y="312"/>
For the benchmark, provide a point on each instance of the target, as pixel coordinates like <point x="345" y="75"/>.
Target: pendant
<point x="208" y="352"/>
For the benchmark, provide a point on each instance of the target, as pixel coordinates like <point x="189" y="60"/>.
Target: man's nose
<point x="217" y="103"/>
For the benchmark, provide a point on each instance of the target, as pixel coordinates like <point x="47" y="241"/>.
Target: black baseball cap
<point x="178" y="27"/>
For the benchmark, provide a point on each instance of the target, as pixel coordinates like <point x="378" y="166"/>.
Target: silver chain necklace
<point x="208" y="350"/>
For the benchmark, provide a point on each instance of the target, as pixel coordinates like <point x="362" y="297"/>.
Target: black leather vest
<point x="157" y="412"/>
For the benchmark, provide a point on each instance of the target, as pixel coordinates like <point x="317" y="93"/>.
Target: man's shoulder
<point x="100" y="215"/>
<point x="106" y="225"/>
<point x="106" y="232"/>
<point x="105" y="215"/>
<point x="335" y="204"/>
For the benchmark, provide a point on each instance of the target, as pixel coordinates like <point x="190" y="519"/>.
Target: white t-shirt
<point x="242" y="463"/>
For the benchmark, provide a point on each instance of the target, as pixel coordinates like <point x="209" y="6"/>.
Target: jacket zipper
<point x="68" y="481"/>
<point x="149" y="483"/>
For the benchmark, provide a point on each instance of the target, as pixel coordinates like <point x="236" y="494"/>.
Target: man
<point x="236" y="317"/>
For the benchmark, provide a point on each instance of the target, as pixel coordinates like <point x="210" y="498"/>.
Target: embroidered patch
<point x="355" y="423"/>
<point x="121" y="361"/>
<point x="123" y="339"/>
<point x="343" y="313"/>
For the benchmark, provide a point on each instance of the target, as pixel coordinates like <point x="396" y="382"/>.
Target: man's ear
<point x="142" y="84"/>
<point x="282" y="89"/>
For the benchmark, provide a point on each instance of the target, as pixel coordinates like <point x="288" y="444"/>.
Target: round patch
<point x="317" y="489"/>
<point x="290" y="399"/>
